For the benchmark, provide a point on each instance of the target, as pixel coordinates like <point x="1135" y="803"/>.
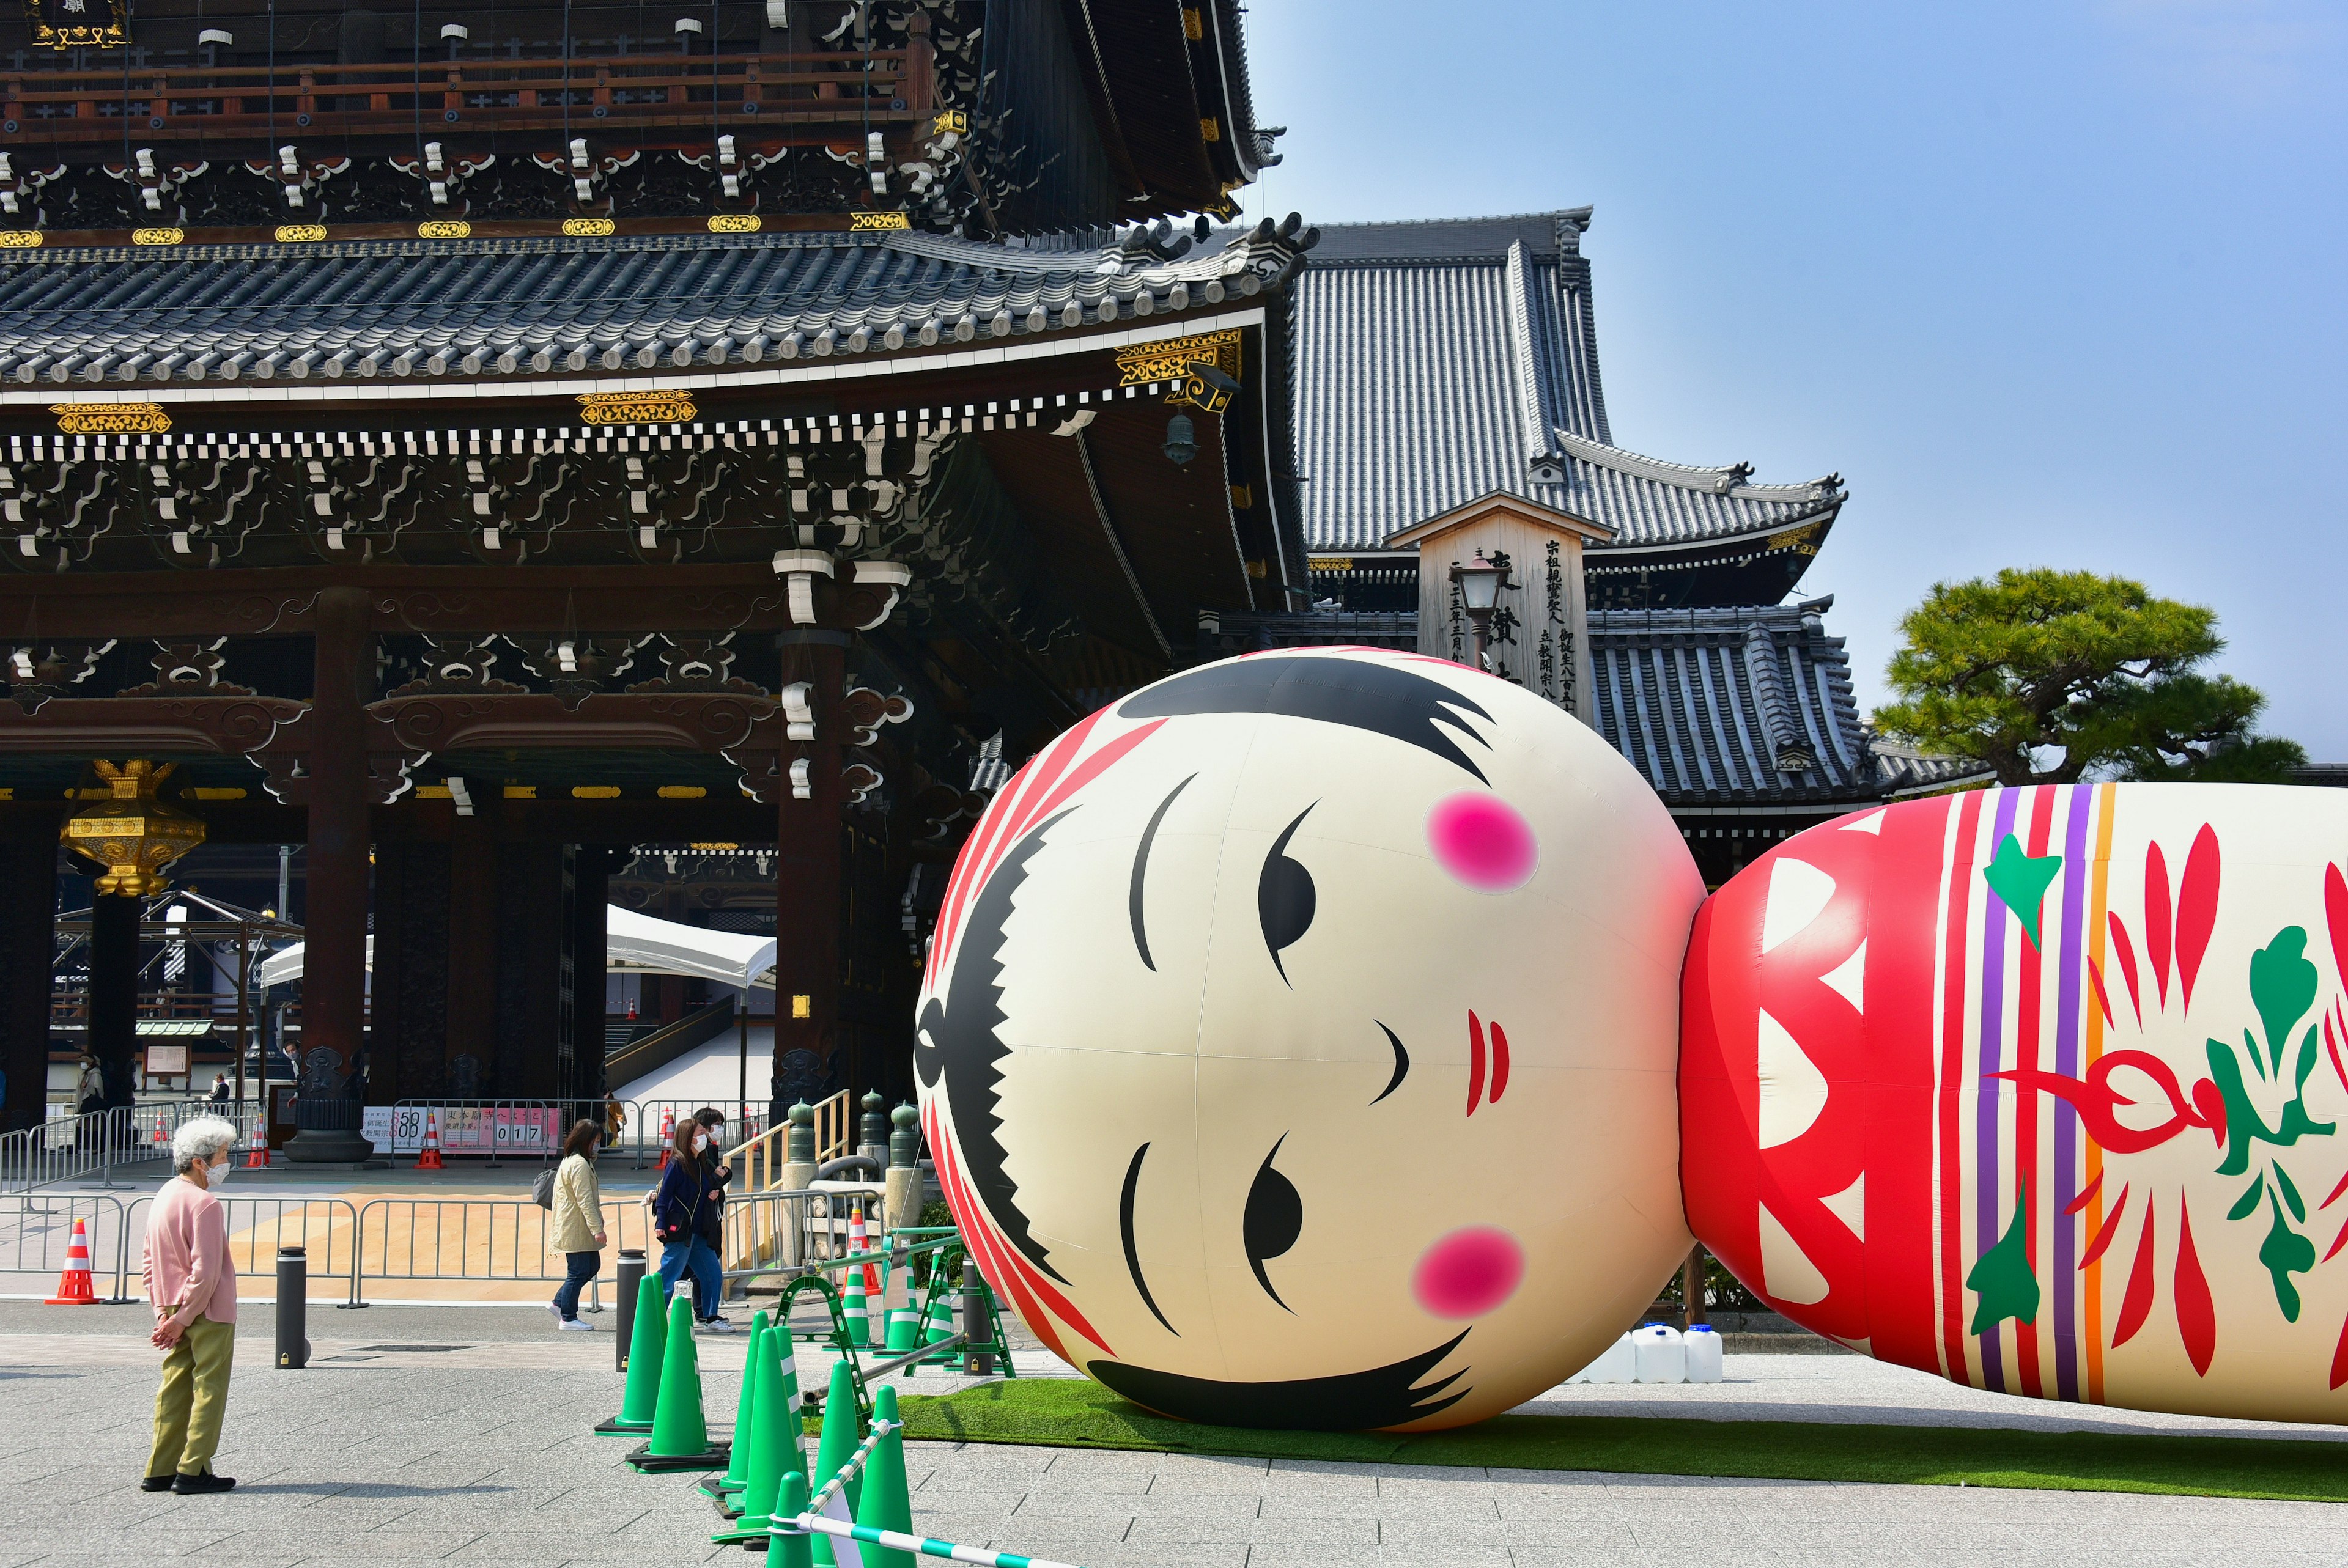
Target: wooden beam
<point x="439" y="600"/>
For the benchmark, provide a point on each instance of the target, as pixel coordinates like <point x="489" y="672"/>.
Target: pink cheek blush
<point x="1483" y="841"/>
<point x="1468" y="1273"/>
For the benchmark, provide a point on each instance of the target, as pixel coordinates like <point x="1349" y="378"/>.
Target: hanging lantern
<point x="1182" y="440"/>
<point x="133" y="834"/>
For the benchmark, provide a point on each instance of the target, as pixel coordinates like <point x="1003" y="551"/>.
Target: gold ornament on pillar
<point x="133" y="834"/>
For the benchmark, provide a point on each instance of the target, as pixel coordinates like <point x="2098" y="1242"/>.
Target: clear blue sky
<point x="2051" y="283"/>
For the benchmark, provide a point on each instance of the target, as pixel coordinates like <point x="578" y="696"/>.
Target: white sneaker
<point x="717" y="1326"/>
<point x="576" y="1326"/>
<point x="553" y="1308"/>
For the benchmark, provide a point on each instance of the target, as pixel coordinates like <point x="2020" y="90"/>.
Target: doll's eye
<point x="1272" y="1221"/>
<point x="1283" y="895"/>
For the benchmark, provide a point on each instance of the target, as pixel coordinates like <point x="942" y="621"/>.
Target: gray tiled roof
<point x="1736" y="707"/>
<point x="1440" y="362"/>
<point x="1656" y="503"/>
<point x="1743" y="706"/>
<point x="390" y="307"/>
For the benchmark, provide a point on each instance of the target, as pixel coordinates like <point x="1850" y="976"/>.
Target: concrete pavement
<point x="460" y="1435"/>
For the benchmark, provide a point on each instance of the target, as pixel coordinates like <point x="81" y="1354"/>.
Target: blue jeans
<point x="702" y="1258"/>
<point x="584" y="1267"/>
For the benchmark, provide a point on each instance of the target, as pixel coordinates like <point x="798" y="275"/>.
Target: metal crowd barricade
<point x="794" y="1232"/>
<point x="98" y="1142"/>
<point x="325" y="1228"/>
<point x="36" y="1228"/>
<point x="745" y="1121"/>
<point x="479" y="1126"/>
<point x="500" y="1241"/>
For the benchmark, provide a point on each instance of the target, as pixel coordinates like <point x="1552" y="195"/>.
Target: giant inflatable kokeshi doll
<point x="2042" y="1090"/>
<point x="1297" y="1042"/>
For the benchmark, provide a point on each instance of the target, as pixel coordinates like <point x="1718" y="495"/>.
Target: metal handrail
<point x="761" y="1159"/>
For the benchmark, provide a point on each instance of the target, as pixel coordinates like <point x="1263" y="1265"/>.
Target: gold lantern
<point x="133" y="834"/>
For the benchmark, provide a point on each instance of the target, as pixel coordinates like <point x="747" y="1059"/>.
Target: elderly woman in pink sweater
<point x="192" y="1284"/>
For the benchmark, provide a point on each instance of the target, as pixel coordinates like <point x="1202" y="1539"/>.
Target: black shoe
<point x="188" y="1485"/>
<point x="156" y="1482"/>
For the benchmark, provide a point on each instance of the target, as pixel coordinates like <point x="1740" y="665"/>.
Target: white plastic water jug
<point x="1703" y="1348"/>
<point x="1661" y="1358"/>
<point x="1618" y="1363"/>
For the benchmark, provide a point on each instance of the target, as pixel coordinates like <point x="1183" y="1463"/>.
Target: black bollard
<point x="978" y="1347"/>
<point x="632" y="1278"/>
<point x="293" y="1303"/>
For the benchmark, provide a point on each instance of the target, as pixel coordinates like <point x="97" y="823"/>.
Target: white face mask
<point x="701" y="1143"/>
<point x="215" y="1174"/>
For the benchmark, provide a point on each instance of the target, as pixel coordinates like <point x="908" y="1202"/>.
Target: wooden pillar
<point x="407" y="1056"/>
<point x="808" y="868"/>
<point x="472" y="992"/>
<point x="1692" y="1289"/>
<point x="533" y="935"/>
<point x="114" y="991"/>
<point x="334" y="978"/>
<point x="28" y="918"/>
<point x="592" y="874"/>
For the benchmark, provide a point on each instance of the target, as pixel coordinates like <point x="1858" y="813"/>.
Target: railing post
<point x="903" y="1206"/>
<point x="796" y="1175"/>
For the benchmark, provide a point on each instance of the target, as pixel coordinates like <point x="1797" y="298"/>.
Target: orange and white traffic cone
<point x="864" y="1236"/>
<point x="73" y="1287"/>
<point x="428" y="1158"/>
<point x="159" y="1138"/>
<point x="257" y="1152"/>
<point x="668" y="1138"/>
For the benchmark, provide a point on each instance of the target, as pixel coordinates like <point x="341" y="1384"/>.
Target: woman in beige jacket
<point x="578" y="1221"/>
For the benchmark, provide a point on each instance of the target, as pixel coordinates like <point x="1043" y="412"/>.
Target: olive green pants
<point x="194" y="1396"/>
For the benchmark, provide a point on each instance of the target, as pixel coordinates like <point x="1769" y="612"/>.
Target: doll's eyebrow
<point x="1133" y="900"/>
<point x="1125" y="1228"/>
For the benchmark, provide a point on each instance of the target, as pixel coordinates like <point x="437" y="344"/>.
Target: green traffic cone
<point x="774" y="1452"/>
<point x="680" y="1438"/>
<point x="941" y="1325"/>
<point x="838" y="1445"/>
<point x="886" y="1504"/>
<point x="791" y="1549"/>
<point x="737" y="1471"/>
<point x="904" y="1330"/>
<point x="645" y="1347"/>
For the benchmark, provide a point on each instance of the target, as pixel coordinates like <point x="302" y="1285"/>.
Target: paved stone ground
<point x="482" y="1455"/>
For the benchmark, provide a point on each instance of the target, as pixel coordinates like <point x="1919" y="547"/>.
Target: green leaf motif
<point x="2282" y="988"/>
<point x="2021" y="879"/>
<point x="2306" y="1063"/>
<point x="2001" y="1280"/>
<point x="2284" y="1253"/>
<point x="2243" y="1125"/>
<point x="2249" y="1202"/>
<point x="2292" y="1200"/>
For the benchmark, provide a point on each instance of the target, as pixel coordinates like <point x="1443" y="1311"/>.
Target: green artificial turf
<point x="1062" y="1412"/>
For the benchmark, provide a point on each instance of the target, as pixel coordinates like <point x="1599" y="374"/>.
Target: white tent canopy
<point x="633" y="944"/>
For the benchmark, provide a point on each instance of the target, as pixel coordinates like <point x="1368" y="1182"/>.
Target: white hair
<point x="199" y="1139"/>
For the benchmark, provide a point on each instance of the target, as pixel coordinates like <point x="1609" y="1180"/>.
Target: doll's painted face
<point x="1298" y="1041"/>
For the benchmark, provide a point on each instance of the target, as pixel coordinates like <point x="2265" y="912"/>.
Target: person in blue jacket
<point x="686" y="1210"/>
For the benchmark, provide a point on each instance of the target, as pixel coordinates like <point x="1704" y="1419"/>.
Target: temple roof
<point x="419" y="308"/>
<point x="1746" y="706"/>
<point x="1731" y="708"/>
<point x="1441" y="361"/>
